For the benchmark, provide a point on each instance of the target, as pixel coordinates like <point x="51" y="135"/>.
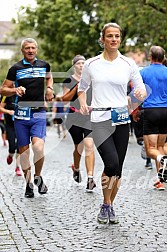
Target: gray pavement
<point x="65" y="218"/>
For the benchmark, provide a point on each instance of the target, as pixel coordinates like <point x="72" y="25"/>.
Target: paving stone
<point x="64" y="220"/>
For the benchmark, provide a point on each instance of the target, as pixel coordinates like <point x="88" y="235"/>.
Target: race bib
<point x="22" y="113"/>
<point x="120" y="116"/>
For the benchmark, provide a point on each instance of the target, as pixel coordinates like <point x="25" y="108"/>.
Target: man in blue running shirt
<point x="155" y="112"/>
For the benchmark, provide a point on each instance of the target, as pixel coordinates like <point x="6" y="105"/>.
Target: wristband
<point x="50" y="88"/>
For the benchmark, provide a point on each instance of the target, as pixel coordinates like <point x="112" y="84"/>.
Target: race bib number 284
<point x="22" y="113"/>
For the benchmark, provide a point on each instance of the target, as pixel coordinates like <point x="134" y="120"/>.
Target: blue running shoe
<point x="103" y="216"/>
<point x="113" y="219"/>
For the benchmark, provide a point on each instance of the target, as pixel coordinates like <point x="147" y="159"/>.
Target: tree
<point x="4" y="64"/>
<point x="68" y="27"/>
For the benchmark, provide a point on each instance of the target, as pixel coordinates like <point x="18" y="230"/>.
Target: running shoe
<point x="18" y="171"/>
<point x="9" y="159"/>
<point x="29" y="193"/>
<point x="163" y="161"/>
<point x="162" y="173"/>
<point x="103" y="216"/>
<point x="76" y="175"/>
<point x="113" y="219"/>
<point x="159" y="185"/>
<point x="139" y="142"/>
<point x="38" y="181"/>
<point x="90" y="185"/>
<point x="148" y="166"/>
<point x="143" y="152"/>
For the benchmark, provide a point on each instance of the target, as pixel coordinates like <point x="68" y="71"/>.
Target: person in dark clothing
<point x="7" y="107"/>
<point x="79" y="126"/>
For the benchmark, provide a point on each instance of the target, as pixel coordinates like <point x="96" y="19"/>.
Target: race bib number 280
<point x="120" y="116"/>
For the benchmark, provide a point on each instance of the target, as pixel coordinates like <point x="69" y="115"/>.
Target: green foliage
<point x="64" y="28"/>
<point x="4" y="65"/>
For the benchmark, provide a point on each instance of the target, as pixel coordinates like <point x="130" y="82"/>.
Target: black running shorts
<point x="155" y="121"/>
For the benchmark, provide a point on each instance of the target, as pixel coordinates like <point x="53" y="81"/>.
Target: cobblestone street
<point x="65" y="218"/>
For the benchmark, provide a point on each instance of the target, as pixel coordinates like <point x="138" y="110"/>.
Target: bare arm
<point x="69" y="94"/>
<point x="5" y="111"/>
<point x="49" y="95"/>
<point x="84" y="109"/>
<point x="9" y="89"/>
<point x="140" y="94"/>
